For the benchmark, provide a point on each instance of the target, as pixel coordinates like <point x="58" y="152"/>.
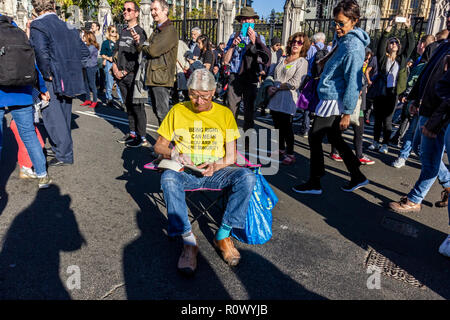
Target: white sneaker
<point x="384" y="149"/>
<point x="27" y="173"/>
<point x="399" y="162"/>
<point x="444" y="249"/>
<point x="374" y="146"/>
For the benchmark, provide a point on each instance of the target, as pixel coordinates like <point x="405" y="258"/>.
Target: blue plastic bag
<point x="258" y="227"/>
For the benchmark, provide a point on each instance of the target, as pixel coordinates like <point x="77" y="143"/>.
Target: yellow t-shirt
<point x="202" y="135"/>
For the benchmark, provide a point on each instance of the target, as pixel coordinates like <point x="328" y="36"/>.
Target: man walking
<point x="162" y="52"/>
<point x="59" y="55"/>
<point x="124" y="68"/>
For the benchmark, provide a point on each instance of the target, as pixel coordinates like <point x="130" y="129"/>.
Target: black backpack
<point x="316" y="69"/>
<point x="17" y="60"/>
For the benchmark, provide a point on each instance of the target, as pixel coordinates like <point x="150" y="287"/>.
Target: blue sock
<point x="223" y="232"/>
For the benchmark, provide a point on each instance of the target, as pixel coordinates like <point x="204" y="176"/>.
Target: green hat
<point x="247" y="12"/>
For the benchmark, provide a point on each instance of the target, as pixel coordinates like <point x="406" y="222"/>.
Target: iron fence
<point x="268" y="30"/>
<point x="208" y="27"/>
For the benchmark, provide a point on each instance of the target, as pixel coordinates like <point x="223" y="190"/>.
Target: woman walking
<point x="338" y="90"/>
<point x="91" y="69"/>
<point x="392" y="59"/>
<point x="106" y="53"/>
<point x="288" y="75"/>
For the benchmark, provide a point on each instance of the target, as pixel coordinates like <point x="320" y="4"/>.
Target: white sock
<point x="189" y="239"/>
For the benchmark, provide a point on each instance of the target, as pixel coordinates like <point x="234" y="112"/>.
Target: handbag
<point x="354" y="117"/>
<point x="308" y="97"/>
<point x="258" y="225"/>
<point x="379" y="85"/>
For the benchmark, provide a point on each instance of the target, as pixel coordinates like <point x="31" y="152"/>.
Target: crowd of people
<point x="197" y="91"/>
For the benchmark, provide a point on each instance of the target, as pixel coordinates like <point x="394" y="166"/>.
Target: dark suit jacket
<point x="60" y="54"/>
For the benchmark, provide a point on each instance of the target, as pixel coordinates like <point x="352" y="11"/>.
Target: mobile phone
<point x="132" y="30"/>
<point x="245" y="27"/>
<point x="400" y="19"/>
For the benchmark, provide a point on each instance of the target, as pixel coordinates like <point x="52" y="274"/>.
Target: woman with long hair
<point x="392" y="59"/>
<point x="106" y="52"/>
<point x="206" y="53"/>
<point x="338" y="90"/>
<point x="288" y="75"/>
<point x="90" y="69"/>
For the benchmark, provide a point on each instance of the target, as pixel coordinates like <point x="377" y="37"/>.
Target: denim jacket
<point x="60" y="54"/>
<point x="341" y="78"/>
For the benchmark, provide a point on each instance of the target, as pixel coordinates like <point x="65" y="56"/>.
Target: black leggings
<point x="357" y="138"/>
<point x="383" y="110"/>
<point x="330" y="126"/>
<point x="283" y="122"/>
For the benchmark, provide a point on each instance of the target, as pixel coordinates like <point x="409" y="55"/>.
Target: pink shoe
<point x="288" y="159"/>
<point x="151" y="166"/>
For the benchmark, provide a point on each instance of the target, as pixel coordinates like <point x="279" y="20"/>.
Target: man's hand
<point x="272" y="90"/>
<point x="182" y="158"/>
<point x="135" y="35"/>
<point x="413" y="109"/>
<point x="45" y="96"/>
<point x="408" y="22"/>
<point x="345" y="122"/>
<point x="427" y="133"/>
<point x="209" y="167"/>
<point x="236" y="41"/>
<point x="390" y="25"/>
<point x="252" y="35"/>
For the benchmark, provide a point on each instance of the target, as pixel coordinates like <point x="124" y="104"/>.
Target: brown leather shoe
<point x="228" y="251"/>
<point x="187" y="263"/>
<point x="405" y="206"/>
<point x="444" y="199"/>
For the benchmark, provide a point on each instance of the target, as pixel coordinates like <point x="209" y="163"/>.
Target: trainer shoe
<point x="135" y="143"/>
<point x="405" y="206"/>
<point x="444" y="249"/>
<point x="399" y="162"/>
<point x="384" y="149"/>
<point x="126" y="138"/>
<point x="86" y="103"/>
<point x="145" y="143"/>
<point x="27" y="173"/>
<point x="374" y="146"/>
<point x="288" y="159"/>
<point x="44" y="182"/>
<point x="308" y="188"/>
<point x="336" y="157"/>
<point x="366" y="161"/>
<point x="353" y="185"/>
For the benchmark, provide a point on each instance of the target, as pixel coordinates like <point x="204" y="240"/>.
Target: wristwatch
<point x="278" y="85"/>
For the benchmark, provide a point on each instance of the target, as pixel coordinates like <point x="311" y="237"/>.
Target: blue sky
<point x="264" y="7"/>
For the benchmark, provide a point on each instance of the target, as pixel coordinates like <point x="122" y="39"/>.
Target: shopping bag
<point x="258" y="226"/>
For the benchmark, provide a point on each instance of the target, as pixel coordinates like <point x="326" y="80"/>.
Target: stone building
<point x="197" y="4"/>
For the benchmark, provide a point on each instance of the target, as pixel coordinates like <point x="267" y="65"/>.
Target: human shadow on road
<point x="8" y="161"/>
<point x="29" y="258"/>
<point x="368" y="225"/>
<point x="150" y="261"/>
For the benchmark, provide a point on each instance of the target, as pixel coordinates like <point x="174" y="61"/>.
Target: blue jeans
<point x="23" y="116"/>
<point x="431" y="152"/>
<point x="89" y="81"/>
<point x="447" y="147"/>
<point x="174" y="184"/>
<point x="110" y="82"/>
<point x="411" y="139"/>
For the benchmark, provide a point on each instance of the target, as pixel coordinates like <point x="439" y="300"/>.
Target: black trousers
<point x="137" y="118"/>
<point x="383" y="111"/>
<point x="283" y="122"/>
<point x="357" y="138"/>
<point x="239" y="90"/>
<point x="330" y="126"/>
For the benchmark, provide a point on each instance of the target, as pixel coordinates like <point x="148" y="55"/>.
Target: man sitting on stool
<point x="204" y="134"/>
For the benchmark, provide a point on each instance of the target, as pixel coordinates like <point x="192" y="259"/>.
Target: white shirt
<point x="328" y="108"/>
<point x="392" y="75"/>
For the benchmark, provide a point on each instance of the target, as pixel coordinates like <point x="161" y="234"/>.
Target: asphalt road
<point x="99" y="231"/>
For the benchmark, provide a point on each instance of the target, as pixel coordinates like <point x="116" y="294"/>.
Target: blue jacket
<point x="342" y="75"/>
<point x="60" y="54"/>
<point x="19" y="96"/>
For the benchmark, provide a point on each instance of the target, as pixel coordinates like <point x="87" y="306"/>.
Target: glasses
<point x="128" y="10"/>
<point x="298" y="42"/>
<point x="338" y="24"/>
<point x="196" y="97"/>
<point x="392" y="42"/>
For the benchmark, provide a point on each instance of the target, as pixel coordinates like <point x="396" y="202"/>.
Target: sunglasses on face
<point x="392" y="42"/>
<point x="128" y="10"/>
<point x="298" y="42"/>
<point x="339" y="24"/>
